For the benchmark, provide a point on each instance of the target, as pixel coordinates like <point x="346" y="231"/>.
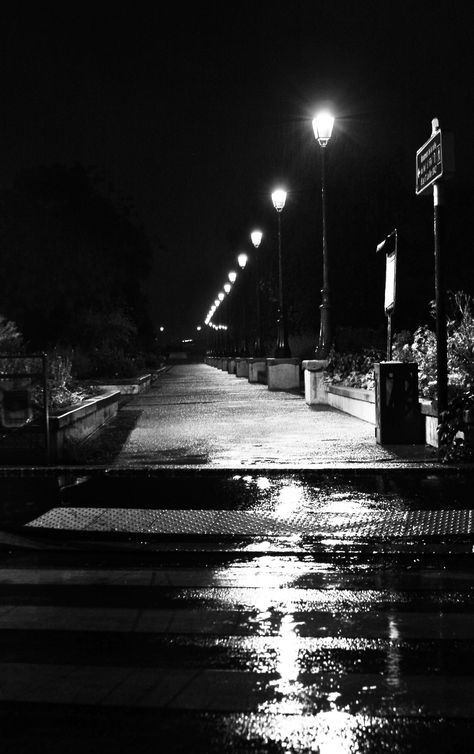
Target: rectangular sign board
<point x="429" y="162"/>
<point x="390" y="281"/>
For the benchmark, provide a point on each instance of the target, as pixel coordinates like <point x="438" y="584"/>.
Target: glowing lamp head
<point x="232" y="277"/>
<point x="227" y="287"/>
<point x="256" y="236"/>
<point x="242" y="260"/>
<point x="279" y="199"/>
<point x="322" y="127"/>
<point x="221" y="296"/>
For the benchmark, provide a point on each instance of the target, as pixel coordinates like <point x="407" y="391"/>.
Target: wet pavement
<point x="197" y="415"/>
<point x="216" y="575"/>
<point x="290" y="612"/>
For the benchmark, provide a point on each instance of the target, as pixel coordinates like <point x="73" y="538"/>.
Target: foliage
<point x="62" y="387"/>
<point x="455" y="433"/>
<point x="107" y="363"/>
<point x="11" y="339"/>
<point x="356" y="370"/>
<point x="352" y="369"/>
<point x="421" y="347"/>
<point x="69" y="247"/>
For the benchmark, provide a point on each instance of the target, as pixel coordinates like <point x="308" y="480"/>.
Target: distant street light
<point x="259" y="350"/>
<point x="322" y="125"/>
<point x="282" y="349"/>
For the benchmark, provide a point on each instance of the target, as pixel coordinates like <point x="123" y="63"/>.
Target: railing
<point x="17" y="371"/>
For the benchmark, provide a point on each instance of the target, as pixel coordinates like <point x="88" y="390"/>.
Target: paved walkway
<point x="196" y="415"/>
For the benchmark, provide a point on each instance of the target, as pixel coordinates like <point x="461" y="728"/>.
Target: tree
<point x="68" y="248"/>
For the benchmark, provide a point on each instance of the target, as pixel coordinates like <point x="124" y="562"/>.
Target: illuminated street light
<point x="259" y="350"/>
<point x="242" y="259"/>
<point x="322" y="125"/>
<point x="232" y="277"/>
<point x="282" y="349"/>
<point x="256" y="237"/>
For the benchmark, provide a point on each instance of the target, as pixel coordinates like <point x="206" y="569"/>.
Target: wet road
<point x="245" y="613"/>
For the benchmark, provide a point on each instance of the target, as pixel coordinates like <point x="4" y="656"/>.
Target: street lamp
<point x="282" y="349"/>
<point x="242" y="260"/>
<point x="259" y="350"/>
<point x="322" y="125"/>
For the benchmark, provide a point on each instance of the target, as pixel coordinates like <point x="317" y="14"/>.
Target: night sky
<point x="199" y="113"/>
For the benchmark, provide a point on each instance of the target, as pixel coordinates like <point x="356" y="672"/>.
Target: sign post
<point x="434" y="162"/>
<point x="389" y="245"/>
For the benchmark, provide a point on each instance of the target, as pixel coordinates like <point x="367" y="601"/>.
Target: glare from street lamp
<point x="279" y="199"/>
<point x="256" y="236"/>
<point x="232" y="276"/>
<point x="227" y="287"/>
<point x="322" y="127"/>
<point x="221" y="296"/>
<point x="242" y="260"/>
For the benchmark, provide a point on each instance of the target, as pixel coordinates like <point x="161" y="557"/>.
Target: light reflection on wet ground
<point x="295" y="643"/>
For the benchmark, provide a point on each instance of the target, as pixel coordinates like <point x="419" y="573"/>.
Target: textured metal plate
<point x="213" y="522"/>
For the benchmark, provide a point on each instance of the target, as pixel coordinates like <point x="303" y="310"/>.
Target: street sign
<point x="429" y="162"/>
<point x="434" y="159"/>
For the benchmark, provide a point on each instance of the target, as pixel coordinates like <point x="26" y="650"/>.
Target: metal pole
<point x="259" y="349"/>
<point x="46" y="407"/>
<point x="389" y="336"/>
<point x="244" y="351"/>
<point x="325" y="308"/>
<point x="282" y="348"/>
<point x="441" y="337"/>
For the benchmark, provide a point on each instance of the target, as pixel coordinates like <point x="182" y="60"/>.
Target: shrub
<point x="11" y="339"/>
<point x="353" y="369"/>
<point x="108" y="363"/>
<point x="421" y="346"/>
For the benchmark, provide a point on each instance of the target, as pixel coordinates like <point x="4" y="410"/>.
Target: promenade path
<point x="199" y="416"/>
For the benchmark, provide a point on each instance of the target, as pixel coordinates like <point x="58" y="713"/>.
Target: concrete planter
<point x="353" y="400"/>
<point x="283" y="374"/>
<point x="258" y="369"/>
<point x="126" y="385"/>
<point x="72" y="427"/>
<point x="242" y="366"/>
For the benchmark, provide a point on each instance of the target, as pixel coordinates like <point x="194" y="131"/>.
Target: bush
<point x="11" y="340"/>
<point x="353" y="369"/>
<point x="421" y="346"/>
<point x="107" y="363"/>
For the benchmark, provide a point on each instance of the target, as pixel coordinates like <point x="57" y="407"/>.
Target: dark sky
<point x="197" y="113"/>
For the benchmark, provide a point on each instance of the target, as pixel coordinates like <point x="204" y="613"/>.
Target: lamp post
<point x="232" y="276"/>
<point x="259" y="349"/>
<point x="322" y="125"/>
<point x="221" y="297"/>
<point x="227" y="287"/>
<point x="282" y="349"/>
<point x="242" y="260"/>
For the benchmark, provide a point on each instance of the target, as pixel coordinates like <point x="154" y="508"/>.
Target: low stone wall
<point x="353" y="400"/>
<point x="127" y="386"/>
<point x="72" y="427"/>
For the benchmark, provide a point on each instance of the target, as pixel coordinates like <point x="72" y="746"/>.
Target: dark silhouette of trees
<point x="72" y="261"/>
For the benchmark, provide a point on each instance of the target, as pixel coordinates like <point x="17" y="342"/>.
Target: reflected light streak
<point x="289" y="499"/>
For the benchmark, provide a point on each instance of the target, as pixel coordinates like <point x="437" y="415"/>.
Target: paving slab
<point x="197" y="416"/>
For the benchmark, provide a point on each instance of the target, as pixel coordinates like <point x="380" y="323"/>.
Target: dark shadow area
<point x="105" y="445"/>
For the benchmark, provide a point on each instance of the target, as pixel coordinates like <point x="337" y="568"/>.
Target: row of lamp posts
<point x="322" y="127"/>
